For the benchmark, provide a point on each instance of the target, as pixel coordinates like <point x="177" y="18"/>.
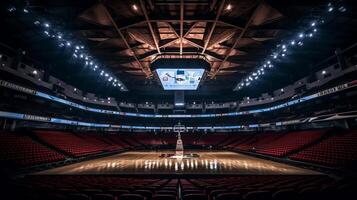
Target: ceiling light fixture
<point x="79" y="51"/>
<point x="280" y="51"/>
<point x="135" y="7"/>
<point x="229" y="7"/>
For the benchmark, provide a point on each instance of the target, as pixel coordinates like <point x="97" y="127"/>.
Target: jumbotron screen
<point x="180" y="79"/>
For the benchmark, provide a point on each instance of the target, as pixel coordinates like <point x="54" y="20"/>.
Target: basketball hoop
<point x="179" y="128"/>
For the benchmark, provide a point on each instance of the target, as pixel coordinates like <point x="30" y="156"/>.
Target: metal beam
<point x="169" y="43"/>
<point x="150" y="26"/>
<point x="190" y="29"/>
<point x="146" y="71"/>
<point x="173" y="30"/>
<point x="213" y="4"/>
<point x="213" y="26"/>
<point x="238" y="39"/>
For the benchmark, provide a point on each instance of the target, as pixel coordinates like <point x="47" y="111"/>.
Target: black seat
<point x="117" y="192"/>
<point x="285" y="194"/>
<point x="145" y="193"/>
<point x="131" y="197"/>
<point x="164" y="197"/>
<point x="195" y="197"/>
<point x="228" y="196"/>
<point x="103" y="197"/>
<point x="258" y="195"/>
<point x="78" y="197"/>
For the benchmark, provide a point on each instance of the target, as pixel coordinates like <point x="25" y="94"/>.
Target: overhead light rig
<point x="283" y="49"/>
<point x="65" y="40"/>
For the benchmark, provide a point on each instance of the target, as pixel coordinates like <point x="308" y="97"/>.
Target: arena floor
<point x="150" y="162"/>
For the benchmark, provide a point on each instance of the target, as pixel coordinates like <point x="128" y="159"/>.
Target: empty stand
<point x="73" y="145"/>
<point x="289" y="142"/>
<point x="24" y="151"/>
<point x="336" y="151"/>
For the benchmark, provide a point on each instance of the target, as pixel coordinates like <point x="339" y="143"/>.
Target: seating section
<point x="23" y="151"/>
<point x="71" y="144"/>
<point x="211" y="139"/>
<point x="119" y="140"/>
<point x="264" y="187"/>
<point x="289" y="142"/>
<point x="100" y="141"/>
<point x="316" y="146"/>
<point x="153" y="140"/>
<point x="98" y="187"/>
<point x="336" y="151"/>
<point x="259" y="140"/>
<point x="220" y="188"/>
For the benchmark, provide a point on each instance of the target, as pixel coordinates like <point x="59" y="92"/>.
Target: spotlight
<point x="342" y="9"/>
<point x="68" y="44"/>
<point x="315" y="30"/>
<point x="135" y="7"/>
<point x="323" y="72"/>
<point x="34" y="72"/>
<point x="292" y="42"/>
<point x="11" y="9"/>
<point x="26" y="11"/>
<point x="313" y="24"/>
<point x="229" y="7"/>
<point x="47" y="25"/>
<point x="301" y="35"/>
<point x="330" y="9"/>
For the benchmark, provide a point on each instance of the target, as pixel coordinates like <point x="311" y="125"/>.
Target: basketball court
<point x="155" y="162"/>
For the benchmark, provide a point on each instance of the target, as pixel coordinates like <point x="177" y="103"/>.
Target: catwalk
<point x="150" y="162"/>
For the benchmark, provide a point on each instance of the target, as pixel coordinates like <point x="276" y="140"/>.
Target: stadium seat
<point x="258" y="195"/>
<point x="195" y="197"/>
<point x="145" y="193"/>
<point x="102" y="197"/>
<point x="228" y="196"/>
<point x="131" y="197"/>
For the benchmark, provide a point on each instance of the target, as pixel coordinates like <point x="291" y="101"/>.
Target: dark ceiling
<point x="233" y="35"/>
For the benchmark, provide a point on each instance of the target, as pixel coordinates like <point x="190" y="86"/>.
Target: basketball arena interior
<point x="178" y="99"/>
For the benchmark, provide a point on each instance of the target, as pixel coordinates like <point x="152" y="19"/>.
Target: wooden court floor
<point x="208" y="162"/>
